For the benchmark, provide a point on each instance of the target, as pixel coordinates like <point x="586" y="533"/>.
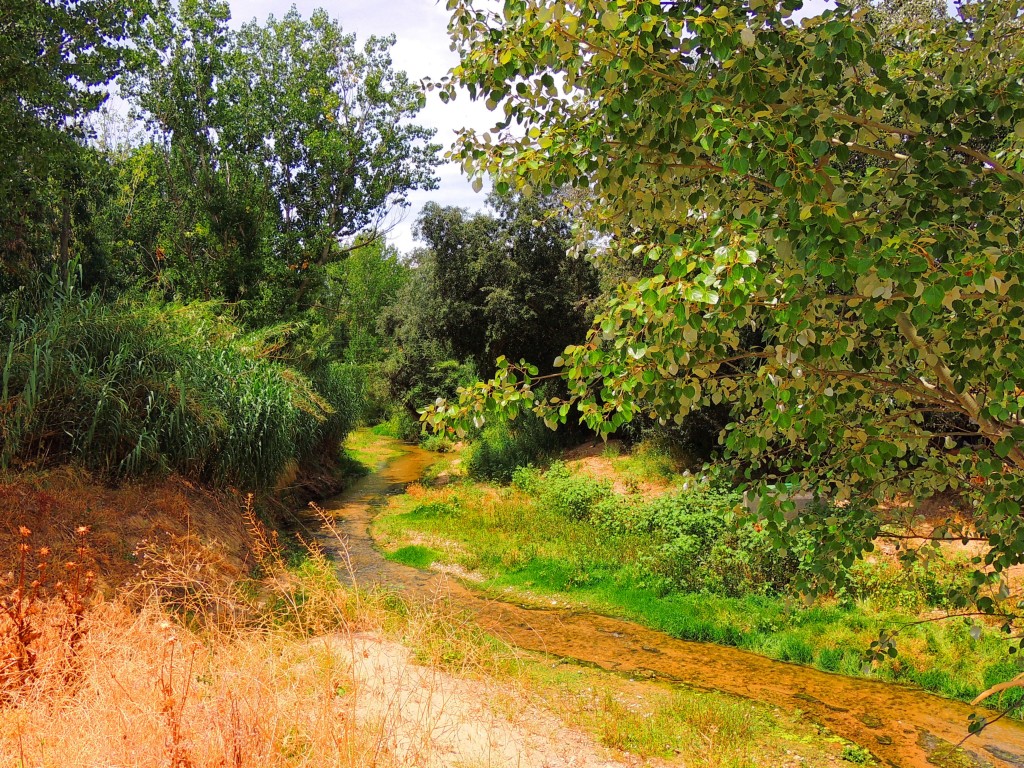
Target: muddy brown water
<point x="901" y="726"/>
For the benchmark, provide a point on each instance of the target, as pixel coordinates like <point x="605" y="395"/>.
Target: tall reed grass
<point x="131" y="385"/>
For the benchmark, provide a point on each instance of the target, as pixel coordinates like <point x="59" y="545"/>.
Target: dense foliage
<point x="129" y="386"/>
<point x="270" y="149"/>
<point x="55" y="59"/>
<point x="829" y="211"/>
<point x="695" y="543"/>
<point x="486" y="285"/>
<point x="239" y="212"/>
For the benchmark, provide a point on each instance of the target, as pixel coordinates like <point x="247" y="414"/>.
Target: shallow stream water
<point x="901" y="726"/>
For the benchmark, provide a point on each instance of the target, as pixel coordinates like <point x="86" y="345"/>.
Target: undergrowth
<point x="131" y="385"/>
<point x="188" y="668"/>
<point x="678" y="563"/>
<point x="185" y="671"/>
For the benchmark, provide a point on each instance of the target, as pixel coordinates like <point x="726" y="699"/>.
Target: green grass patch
<point x="687" y="727"/>
<point x="416" y="556"/>
<point x="367" y="447"/>
<point x="538" y="544"/>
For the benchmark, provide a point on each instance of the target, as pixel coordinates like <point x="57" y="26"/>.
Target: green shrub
<point x="501" y="448"/>
<point x="400" y="425"/>
<point x="527" y="479"/>
<point x="857" y="755"/>
<point x="437" y="443"/>
<point x="569" y="495"/>
<point x="703" y="549"/>
<point x="622" y="515"/>
<point x="915" y="587"/>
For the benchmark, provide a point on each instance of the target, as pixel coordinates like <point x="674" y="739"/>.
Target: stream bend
<point x="901" y="726"/>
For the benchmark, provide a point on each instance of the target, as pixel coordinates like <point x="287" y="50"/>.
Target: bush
<point x="437" y="443"/>
<point x="400" y="425"/>
<point x="913" y="587"/>
<point x="702" y="549"/>
<point x="527" y="479"/>
<point x="501" y="448"/>
<point x="569" y="495"/>
<point x="129" y="386"/>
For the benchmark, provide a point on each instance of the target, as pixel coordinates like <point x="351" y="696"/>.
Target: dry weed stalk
<point x="185" y="576"/>
<point x="39" y="616"/>
<point x="172" y="704"/>
<point x="266" y="547"/>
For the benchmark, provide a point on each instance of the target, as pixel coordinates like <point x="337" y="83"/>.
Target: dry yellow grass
<point x="148" y="692"/>
<point x="182" y="671"/>
<point x="152" y="694"/>
<point x="169" y="514"/>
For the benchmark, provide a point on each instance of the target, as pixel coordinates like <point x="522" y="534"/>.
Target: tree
<point x="853" y="199"/>
<point x="487" y="284"/>
<point x="281" y="143"/>
<point x="371" y="279"/>
<point x="342" y="151"/>
<point x="55" y="59"/>
<point x="196" y="195"/>
<point x="504" y="284"/>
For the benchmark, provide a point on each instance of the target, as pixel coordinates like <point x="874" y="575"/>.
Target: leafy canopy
<point x="275" y="146"/>
<point x="829" y="212"/>
<point x="56" y="58"/>
<point x="502" y="283"/>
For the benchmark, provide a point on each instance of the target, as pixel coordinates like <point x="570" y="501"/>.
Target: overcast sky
<point x="421" y="29"/>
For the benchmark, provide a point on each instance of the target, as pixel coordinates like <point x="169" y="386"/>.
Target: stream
<point x="902" y="727"/>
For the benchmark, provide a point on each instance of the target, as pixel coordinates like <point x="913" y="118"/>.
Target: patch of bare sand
<point x="435" y="720"/>
<point x="604" y="468"/>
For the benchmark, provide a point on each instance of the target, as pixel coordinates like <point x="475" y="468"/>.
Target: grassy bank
<point x="125" y="387"/>
<point x="566" y="536"/>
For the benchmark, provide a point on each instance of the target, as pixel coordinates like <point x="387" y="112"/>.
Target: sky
<point x="421" y="50"/>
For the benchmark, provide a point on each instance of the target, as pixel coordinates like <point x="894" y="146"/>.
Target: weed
<point x="829" y="659"/>
<point x="437" y="443"/>
<point x="399" y="425"/>
<point x="173" y="703"/>
<point x="40" y="615"/>
<point x="857" y="755"/>
<point x="569" y="495"/>
<point x="127" y="387"/>
<point x="501" y="448"/>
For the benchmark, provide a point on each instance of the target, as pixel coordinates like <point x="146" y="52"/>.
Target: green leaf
<point x="610" y="20"/>
<point x="933" y="297"/>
